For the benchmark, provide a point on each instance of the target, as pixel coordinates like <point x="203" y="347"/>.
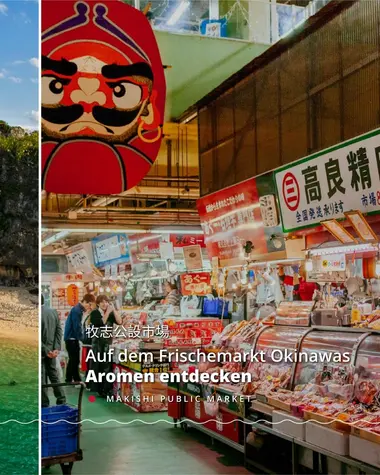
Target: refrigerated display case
<point x="367" y="371"/>
<point x="274" y="371"/>
<point x="329" y="344"/>
<point x="299" y="385"/>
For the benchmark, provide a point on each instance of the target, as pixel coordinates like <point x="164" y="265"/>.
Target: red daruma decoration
<point x="103" y="97"/>
<point x="72" y="295"/>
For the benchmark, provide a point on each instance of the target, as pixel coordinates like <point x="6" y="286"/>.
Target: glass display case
<point x="323" y="352"/>
<point x="278" y="345"/>
<point x="367" y="370"/>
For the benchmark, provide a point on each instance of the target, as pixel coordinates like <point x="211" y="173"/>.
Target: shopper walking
<point x="74" y="334"/>
<point x="51" y="340"/>
<point x="103" y="319"/>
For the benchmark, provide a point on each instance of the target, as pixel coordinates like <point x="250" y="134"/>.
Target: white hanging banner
<point x="331" y="182"/>
<point x="333" y="263"/>
<point x="80" y="257"/>
<point x="193" y="257"/>
<point x="166" y="250"/>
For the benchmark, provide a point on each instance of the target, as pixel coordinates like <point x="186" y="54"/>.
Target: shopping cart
<point x="61" y="440"/>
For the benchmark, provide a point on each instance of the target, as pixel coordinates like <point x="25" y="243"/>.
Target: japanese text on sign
<point x="332" y="183"/>
<point x="220" y="204"/>
<point x="133" y="331"/>
<point x="196" y="283"/>
<point x="229" y="222"/>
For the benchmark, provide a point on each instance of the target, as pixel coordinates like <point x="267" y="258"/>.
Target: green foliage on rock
<point x="19" y="192"/>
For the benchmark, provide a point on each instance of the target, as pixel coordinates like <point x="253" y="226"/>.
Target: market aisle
<point x="142" y="449"/>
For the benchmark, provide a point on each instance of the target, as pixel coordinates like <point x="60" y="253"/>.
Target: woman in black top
<point x="104" y="317"/>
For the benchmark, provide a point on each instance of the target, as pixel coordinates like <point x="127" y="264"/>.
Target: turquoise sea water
<point x="18" y="443"/>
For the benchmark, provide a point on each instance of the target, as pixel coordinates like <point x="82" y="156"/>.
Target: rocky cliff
<point x="19" y="194"/>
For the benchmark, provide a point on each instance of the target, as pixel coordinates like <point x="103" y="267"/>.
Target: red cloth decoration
<point x="306" y="290"/>
<point x="288" y="280"/>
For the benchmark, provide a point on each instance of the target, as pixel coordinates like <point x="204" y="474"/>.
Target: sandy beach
<point x="18" y="315"/>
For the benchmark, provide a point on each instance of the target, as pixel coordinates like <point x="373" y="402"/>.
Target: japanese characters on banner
<point x="103" y="97"/>
<point x="110" y="249"/>
<point x="325" y="185"/>
<point x="333" y="263"/>
<point x="233" y="216"/>
<point x="67" y="278"/>
<point x="72" y="295"/>
<point x="182" y="240"/>
<point x="80" y="257"/>
<point x="197" y="283"/>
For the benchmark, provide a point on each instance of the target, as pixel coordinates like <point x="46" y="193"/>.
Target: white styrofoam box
<point x="291" y="425"/>
<point x="326" y="438"/>
<point x="365" y="451"/>
<point x="262" y="407"/>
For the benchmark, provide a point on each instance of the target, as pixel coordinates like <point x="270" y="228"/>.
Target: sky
<point x="19" y="35"/>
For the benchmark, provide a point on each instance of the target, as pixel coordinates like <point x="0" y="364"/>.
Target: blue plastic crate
<point x="215" y="307"/>
<point x="50" y="415"/>
<point x="60" y="438"/>
<point x="55" y="445"/>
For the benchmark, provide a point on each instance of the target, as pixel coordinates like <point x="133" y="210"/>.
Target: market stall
<point x="311" y="300"/>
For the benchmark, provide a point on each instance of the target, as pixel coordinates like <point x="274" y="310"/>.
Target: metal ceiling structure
<point x="165" y="198"/>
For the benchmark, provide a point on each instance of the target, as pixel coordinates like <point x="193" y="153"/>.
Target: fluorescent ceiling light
<point x="178" y="12"/>
<point x="57" y="237"/>
<point x="98" y="230"/>
<point x="177" y="231"/>
<point x="279" y="261"/>
<point x="344" y="249"/>
<point x="126" y="230"/>
<point x="190" y="118"/>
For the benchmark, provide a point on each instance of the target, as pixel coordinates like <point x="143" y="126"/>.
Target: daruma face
<point x="102" y="86"/>
<point x="85" y="96"/>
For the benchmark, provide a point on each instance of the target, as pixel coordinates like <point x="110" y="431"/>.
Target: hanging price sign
<point x="72" y="295"/>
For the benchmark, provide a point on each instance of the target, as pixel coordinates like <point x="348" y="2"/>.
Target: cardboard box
<point x="283" y="406"/>
<point x="365" y="451"/>
<point x="289" y="425"/>
<point x="366" y="434"/>
<point x="327" y="421"/>
<point x="329" y="439"/>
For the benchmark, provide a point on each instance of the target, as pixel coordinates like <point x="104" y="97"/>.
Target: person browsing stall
<point x="173" y="297"/>
<point x="104" y="317"/>
<point x="51" y="339"/>
<point x="74" y="334"/>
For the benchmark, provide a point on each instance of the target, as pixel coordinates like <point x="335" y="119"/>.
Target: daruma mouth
<point x="66" y="115"/>
<point x="114" y="117"/>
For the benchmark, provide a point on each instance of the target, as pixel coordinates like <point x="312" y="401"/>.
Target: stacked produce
<point x="267" y="378"/>
<point x="340" y="393"/>
<point x="237" y="333"/>
<point x="372" y="321"/>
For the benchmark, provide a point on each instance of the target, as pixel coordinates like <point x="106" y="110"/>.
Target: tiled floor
<point x="141" y="449"/>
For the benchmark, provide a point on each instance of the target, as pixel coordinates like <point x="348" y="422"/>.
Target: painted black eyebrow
<point x="115" y="71"/>
<point x="60" y="66"/>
